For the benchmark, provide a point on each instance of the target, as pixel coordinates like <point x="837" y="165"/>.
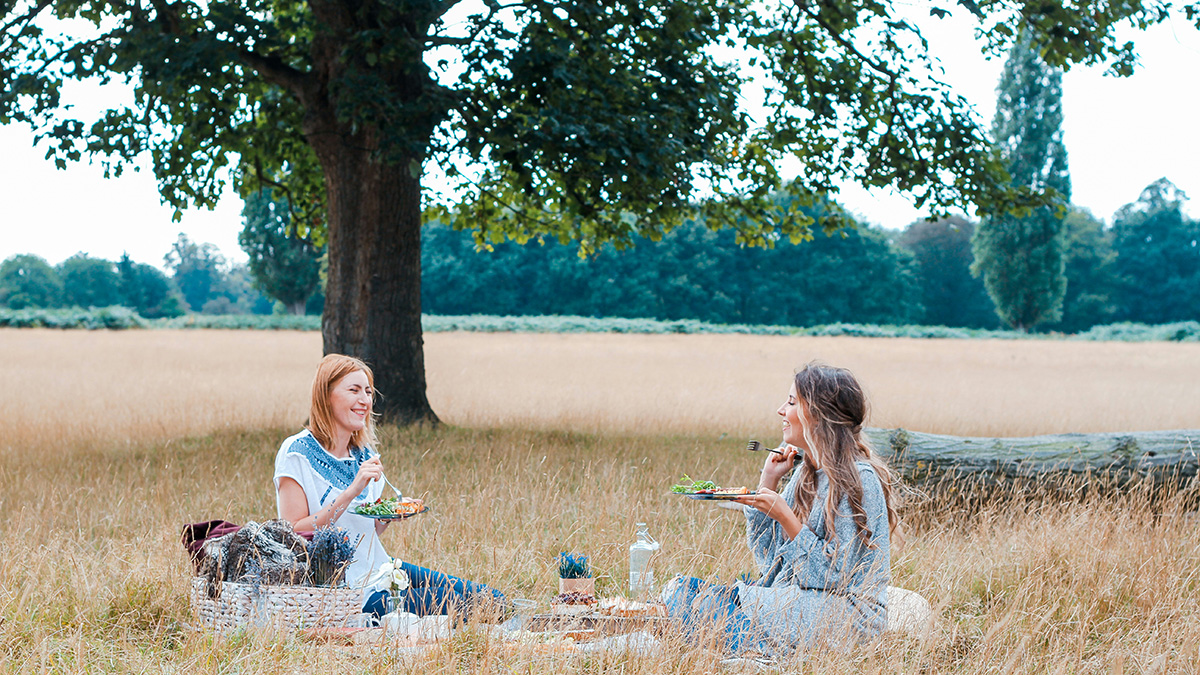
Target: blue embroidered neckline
<point x="339" y="473"/>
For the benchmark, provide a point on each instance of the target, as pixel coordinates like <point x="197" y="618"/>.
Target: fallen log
<point x="1165" y="458"/>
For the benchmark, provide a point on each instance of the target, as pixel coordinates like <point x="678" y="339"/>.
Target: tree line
<point x="281" y="275"/>
<point x="1145" y="268"/>
<point x="198" y="279"/>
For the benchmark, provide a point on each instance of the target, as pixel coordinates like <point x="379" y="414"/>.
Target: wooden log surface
<point x="1165" y="457"/>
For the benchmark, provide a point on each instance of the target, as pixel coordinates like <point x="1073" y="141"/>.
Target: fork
<point x="755" y="446"/>
<point x="389" y="484"/>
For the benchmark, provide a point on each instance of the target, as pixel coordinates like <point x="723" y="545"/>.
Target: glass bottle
<point x="641" y="576"/>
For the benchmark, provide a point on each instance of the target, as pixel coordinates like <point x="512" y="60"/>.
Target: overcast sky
<point x="1121" y="135"/>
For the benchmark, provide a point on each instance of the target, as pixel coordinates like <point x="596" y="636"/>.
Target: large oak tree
<point x="587" y="121"/>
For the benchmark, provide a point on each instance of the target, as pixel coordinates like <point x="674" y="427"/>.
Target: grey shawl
<point x="820" y="588"/>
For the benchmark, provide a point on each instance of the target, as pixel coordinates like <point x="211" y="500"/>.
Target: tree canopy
<point x="285" y="266"/>
<point x="1157" y="260"/>
<point x="197" y="269"/>
<point x="89" y="282"/>
<point x="1090" y="299"/>
<point x="950" y="294"/>
<point x="1021" y="256"/>
<point x="583" y="121"/>
<point x="693" y="272"/>
<point x="29" y="281"/>
<point x="147" y="290"/>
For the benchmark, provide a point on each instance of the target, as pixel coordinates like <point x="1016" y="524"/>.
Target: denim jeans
<point x="431" y="592"/>
<point x="713" y="610"/>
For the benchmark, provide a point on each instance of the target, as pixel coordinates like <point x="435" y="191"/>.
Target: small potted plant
<point x="574" y="575"/>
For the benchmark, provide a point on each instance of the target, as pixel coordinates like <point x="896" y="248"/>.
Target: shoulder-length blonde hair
<point x="320" y="415"/>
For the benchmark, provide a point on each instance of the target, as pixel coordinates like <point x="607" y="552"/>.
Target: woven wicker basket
<point x="277" y="607"/>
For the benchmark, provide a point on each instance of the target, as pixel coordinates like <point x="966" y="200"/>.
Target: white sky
<point x="1121" y="135"/>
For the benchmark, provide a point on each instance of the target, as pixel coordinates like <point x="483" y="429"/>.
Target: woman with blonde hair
<point x="821" y="544"/>
<point x="332" y="466"/>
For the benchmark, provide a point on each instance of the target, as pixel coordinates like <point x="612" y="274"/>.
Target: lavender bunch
<point x="329" y="554"/>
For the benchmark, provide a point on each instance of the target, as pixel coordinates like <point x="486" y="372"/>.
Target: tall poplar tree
<point x="1022" y="259"/>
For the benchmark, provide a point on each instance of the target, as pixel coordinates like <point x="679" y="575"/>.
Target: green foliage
<point x="91" y="319"/>
<point x="235" y="294"/>
<point x="579" y="324"/>
<point x="692" y="273"/>
<point x="580" y="110"/>
<point x="210" y="285"/>
<point x="950" y="294"/>
<point x="583" y="324"/>
<point x="197" y="270"/>
<point x="1068" y="35"/>
<point x="89" y="282"/>
<point x="1021" y="256"/>
<point x="123" y="318"/>
<point x="1091" y="289"/>
<point x="284" y="266"/>
<point x="1183" y="331"/>
<point x="592" y="121"/>
<point x="1158" y="257"/>
<point x="241" y="322"/>
<point x="29" y="281"/>
<point x="147" y="290"/>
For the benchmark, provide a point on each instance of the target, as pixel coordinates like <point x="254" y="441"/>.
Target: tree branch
<point x="802" y="5"/>
<point x="52" y="60"/>
<point x="27" y="17"/>
<point x="275" y="71"/>
<point x="493" y="8"/>
<point x="272" y="68"/>
<point x="168" y="15"/>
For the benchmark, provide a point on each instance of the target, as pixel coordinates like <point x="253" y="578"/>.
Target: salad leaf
<point x="692" y="485"/>
<point x="379" y="507"/>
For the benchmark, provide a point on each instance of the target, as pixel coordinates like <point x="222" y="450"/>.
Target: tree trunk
<point x="373" y="291"/>
<point x="1166" y="458"/>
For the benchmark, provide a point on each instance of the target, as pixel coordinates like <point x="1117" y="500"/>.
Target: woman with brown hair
<point x="822" y="544"/>
<point x="333" y="465"/>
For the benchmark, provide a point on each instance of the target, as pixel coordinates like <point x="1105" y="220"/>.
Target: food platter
<point x="393" y="515"/>
<point x="391" y="508"/>
<point x="707" y="490"/>
<point x="711" y="496"/>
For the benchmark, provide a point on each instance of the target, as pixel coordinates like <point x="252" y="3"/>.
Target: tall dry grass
<point x="92" y="578"/>
<point x="69" y="387"/>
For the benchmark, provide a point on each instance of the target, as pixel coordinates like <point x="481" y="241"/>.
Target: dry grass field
<point x="105" y="388"/>
<point x="111" y="441"/>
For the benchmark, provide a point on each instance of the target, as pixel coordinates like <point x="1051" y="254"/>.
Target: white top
<point x="323" y="478"/>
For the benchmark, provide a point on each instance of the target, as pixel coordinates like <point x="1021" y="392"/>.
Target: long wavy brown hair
<point x="320" y="416"/>
<point x="836" y="408"/>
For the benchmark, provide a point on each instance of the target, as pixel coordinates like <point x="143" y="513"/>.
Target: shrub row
<point x="115" y="317"/>
<point x="241" y="322"/>
<point x="122" y="317"/>
<point x="1180" y="331"/>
